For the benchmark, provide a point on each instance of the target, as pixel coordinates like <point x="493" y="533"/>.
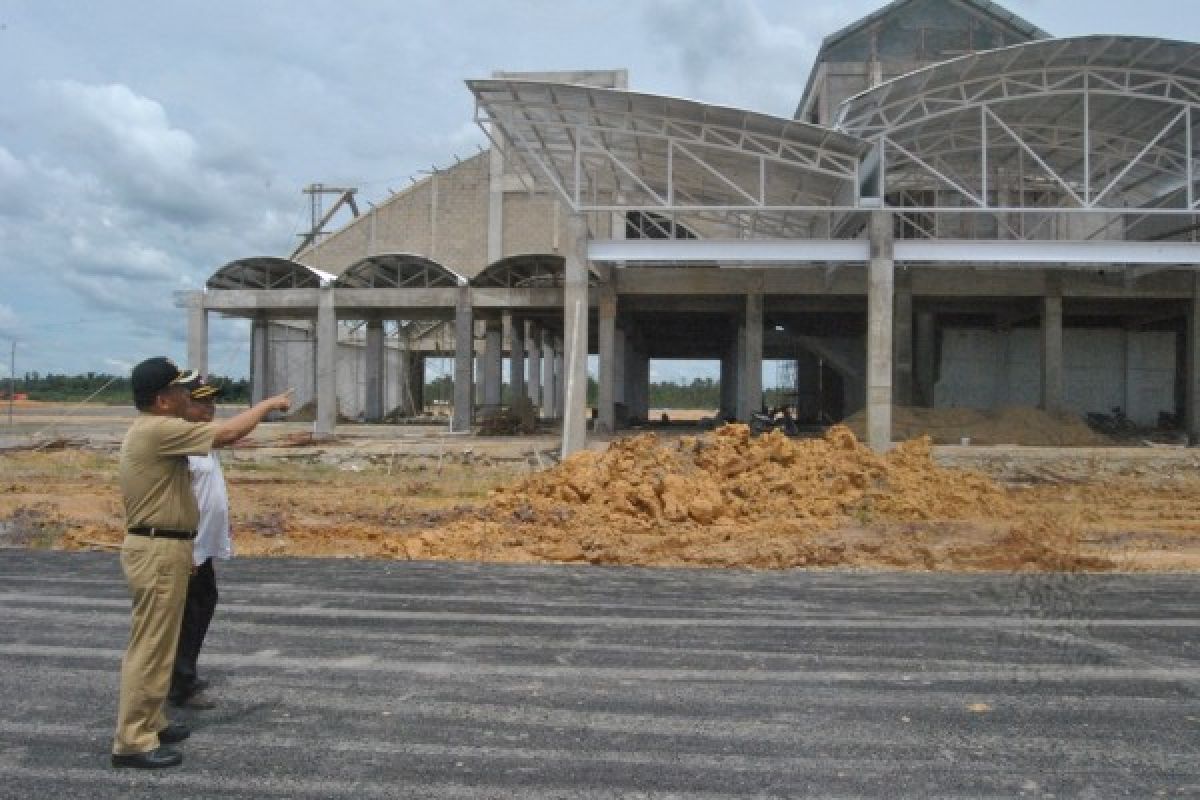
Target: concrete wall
<point x="291" y="365"/>
<point x="1104" y="368"/>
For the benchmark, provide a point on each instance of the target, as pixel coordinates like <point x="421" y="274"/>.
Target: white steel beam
<point x="950" y="252"/>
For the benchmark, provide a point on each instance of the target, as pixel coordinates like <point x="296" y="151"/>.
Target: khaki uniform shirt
<point x="154" y="471"/>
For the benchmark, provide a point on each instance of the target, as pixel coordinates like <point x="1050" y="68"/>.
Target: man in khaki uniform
<point x="156" y="557"/>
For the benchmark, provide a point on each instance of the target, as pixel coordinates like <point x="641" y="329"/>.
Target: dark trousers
<point x="197" y="614"/>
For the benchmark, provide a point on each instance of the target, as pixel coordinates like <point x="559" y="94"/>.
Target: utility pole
<point x="12" y="381"/>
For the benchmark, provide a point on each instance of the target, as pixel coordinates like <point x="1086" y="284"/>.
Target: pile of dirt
<point x="729" y="499"/>
<point x="1014" y="425"/>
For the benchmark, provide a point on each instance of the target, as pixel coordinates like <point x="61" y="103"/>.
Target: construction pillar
<point x="925" y="359"/>
<point x="493" y="365"/>
<point x="560" y="387"/>
<point x="260" y="349"/>
<point x="1192" y="389"/>
<point x="549" y="390"/>
<point x="533" y="348"/>
<point x="638" y="386"/>
<point x="415" y="383"/>
<point x="464" y="356"/>
<point x="606" y="417"/>
<point x="514" y="340"/>
<point x="902" y="351"/>
<point x="620" y="353"/>
<point x="750" y="381"/>
<point x="198" y="336"/>
<point x="729" y="403"/>
<point x="326" y="417"/>
<point x="881" y="277"/>
<point x="575" y="337"/>
<point x="1052" y="345"/>
<point x="375" y="370"/>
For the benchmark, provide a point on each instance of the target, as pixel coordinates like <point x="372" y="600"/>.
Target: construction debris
<point x="730" y="499"/>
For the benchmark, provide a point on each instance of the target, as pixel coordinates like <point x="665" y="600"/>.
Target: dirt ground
<point x="716" y="499"/>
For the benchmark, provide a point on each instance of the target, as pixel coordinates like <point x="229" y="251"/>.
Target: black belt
<point x="163" y="533"/>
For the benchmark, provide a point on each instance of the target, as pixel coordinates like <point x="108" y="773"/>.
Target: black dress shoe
<point x="174" y="733"/>
<point x="155" y="759"/>
<point x="195" y="702"/>
<point x="200" y="685"/>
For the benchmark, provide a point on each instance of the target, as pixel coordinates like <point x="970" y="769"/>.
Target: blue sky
<point x="143" y="144"/>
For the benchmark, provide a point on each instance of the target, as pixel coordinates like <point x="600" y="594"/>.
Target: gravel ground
<point x="354" y="679"/>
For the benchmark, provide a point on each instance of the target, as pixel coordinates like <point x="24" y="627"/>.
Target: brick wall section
<point x="529" y="221"/>
<point x="403" y="224"/>
<point x="461" y="243"/>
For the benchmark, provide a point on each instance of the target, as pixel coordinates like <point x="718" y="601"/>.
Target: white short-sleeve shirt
<point x="208" y="484"/>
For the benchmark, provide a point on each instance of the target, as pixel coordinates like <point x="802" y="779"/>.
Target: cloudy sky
<point x="143" y="144"/>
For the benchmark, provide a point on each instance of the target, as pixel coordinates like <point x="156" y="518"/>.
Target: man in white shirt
<point x="212" y="541"/>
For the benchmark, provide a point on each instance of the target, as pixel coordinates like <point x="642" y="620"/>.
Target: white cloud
<point x="10" y="323"/>
<point x="122" y="367"/>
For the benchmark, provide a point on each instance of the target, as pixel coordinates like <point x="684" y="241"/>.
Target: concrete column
<point x="925" y="358"/>
<point x="750" y="380"/>
<point x="400" y="383"/>
<point x="373" y="405"/>
<point x="881" y="276"/>
<point x="198" y="337"/>
<point x="902" y="348"/>
<point x="575" y="337"/>
<point x="1192" y="378"/>
<point x="606" y="416"/>
<point x="549" y="390"/>
<point x="560" y="379"/>
<point x="327" y="330"/>
<point x="464" y="356"/>
<point x="1052" y="346"/>
<point x="260" y="350"/>
<point x="514" y="340"/>
<point x="729" y="382"/>
<point x="533" y="348"/>
<point x="493" y="365"/>
<point x="740" y="411"/>
<point x="415" y="395"/>
<point x="619" y="355"/>
<point x="638" y="386"/>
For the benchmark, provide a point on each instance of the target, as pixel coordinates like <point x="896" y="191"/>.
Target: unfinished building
<point x="965" y="211"/>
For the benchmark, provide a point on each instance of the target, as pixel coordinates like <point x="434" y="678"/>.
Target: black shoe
<point x="174" y="733"/>
<point x="200" y="685"/>
<point x="195" y="702"/>
<point x="155" y="759"/>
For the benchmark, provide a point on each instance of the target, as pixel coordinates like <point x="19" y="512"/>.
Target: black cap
<point x="201" y="389"/>
<point x="153" y="375"/>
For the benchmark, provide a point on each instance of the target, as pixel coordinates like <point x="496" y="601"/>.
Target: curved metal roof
<point x="611" y="149"/>
<point x="267" y="272"/>
<point x="1119" y="65"/>
<point x="397" y="271"/>
<point x="523" y="271"/>
<point x="1097" y="122"/>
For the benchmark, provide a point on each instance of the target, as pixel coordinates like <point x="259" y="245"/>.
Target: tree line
<point x="115" y="390"/>
<point x="108" y="389"/>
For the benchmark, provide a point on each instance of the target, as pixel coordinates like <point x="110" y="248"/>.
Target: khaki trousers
<point x="157" y="572"/>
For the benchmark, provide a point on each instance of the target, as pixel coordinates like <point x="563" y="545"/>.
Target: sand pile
<point x="729" y="499"/>
<point x="1017" y="425"/>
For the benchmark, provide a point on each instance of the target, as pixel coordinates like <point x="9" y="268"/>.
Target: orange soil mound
<point x="1019" y="425"/>
<point x="728" y="499"/>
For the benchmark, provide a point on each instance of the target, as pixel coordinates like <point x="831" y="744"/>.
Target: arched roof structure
<point x="616" y="150"/>
<point x="529" y="270"/>
<point x="397" y="271"/>
<point x="267" y="272"/>
<point x="1095" y="122"/>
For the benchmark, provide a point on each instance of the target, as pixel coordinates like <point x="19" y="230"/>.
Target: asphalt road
<point x="352" y="679"/>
